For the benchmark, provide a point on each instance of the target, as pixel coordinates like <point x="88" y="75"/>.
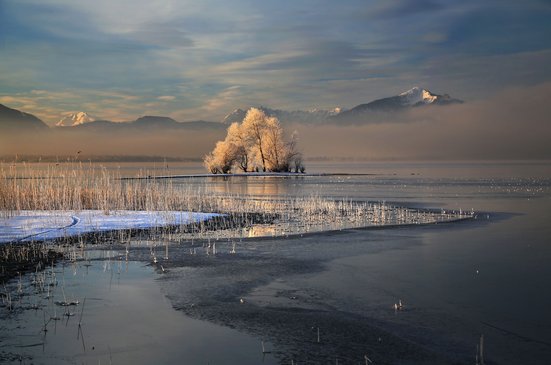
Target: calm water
<point x="487" y="276"/>
<point x="490" y="276"/>
<point x="125" y="319"/>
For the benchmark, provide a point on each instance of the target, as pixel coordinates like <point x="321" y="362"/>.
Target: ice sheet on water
<point x="40" y="225"/>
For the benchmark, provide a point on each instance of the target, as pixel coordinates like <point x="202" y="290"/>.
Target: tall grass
<point x="77" y="186"/>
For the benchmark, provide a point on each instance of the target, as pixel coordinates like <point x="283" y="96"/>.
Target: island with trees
<point x="258" y="143"/>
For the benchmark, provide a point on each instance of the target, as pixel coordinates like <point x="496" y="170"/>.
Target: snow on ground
<point x="41" y="225"/>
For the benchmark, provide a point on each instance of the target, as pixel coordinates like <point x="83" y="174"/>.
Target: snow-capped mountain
<point x="75" y="119"/>
<point x="235" y="116"/>
<point x="415" y="97"/>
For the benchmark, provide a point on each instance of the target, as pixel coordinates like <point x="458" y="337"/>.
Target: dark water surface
<point x="490" y="276"/>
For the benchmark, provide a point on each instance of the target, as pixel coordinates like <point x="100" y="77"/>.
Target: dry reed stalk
<point x="75" y="186"/>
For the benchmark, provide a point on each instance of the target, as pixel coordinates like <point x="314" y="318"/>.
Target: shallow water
<point x="125" y="319"/>
<point x="487" y="276"/>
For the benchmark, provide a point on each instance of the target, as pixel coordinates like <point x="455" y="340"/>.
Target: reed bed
<point x="78" y="186"/>
<point x="17" y="259"/>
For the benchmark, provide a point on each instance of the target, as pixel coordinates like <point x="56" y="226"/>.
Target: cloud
<point x="287" y="55"/>
<point x="404" y="8"/>
<point x="218" y="105"/>
<point x="166" y="98"/>
<point x="435" y="37"/>
<point x="463" y="76"/>
<point x="165" y="35"/>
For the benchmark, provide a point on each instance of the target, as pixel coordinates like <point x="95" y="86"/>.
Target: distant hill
<point x="236" y="116"/>
<point x="285" y="116"/>
<point x="15" y="120"/>
<point x="151" y="121"/>
<point x="146" y="123"/>
<point x="95" y="126"/>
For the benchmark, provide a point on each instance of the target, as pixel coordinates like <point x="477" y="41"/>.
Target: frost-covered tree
<point x="257" y="143"/>
<point x="275" y="146"/>
<point x="254" y="130"/>
<point x="221" y="159"/>
<point x="238" y="139"/>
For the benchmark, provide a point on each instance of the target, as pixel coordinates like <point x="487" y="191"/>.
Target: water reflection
<point x="260" y="231"/>
<point x="253" y="186"/>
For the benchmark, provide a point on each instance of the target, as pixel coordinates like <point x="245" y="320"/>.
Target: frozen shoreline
<point x="35" y="225"/>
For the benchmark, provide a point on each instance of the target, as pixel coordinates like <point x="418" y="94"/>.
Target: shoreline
<point x="246" y="174"/>
<point x="218" y="221"/>
<point x="45" y="252"/>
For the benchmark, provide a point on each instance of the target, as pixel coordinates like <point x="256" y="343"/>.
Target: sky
<point x="191" y="60"/>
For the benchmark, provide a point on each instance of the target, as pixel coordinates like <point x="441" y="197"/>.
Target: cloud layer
<point x="199" y="60"/>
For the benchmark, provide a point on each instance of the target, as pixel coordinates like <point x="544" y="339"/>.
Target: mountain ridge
<point x="13" y="119"/>
<point x="146" y="123"/>
<point x="413" y="98"/>
<point x="16" y="120"/>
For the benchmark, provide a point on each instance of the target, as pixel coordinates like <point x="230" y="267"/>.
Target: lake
<point x="457" y="281"/>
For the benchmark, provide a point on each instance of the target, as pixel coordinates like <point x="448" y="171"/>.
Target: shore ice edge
<point x="35" y="225"/>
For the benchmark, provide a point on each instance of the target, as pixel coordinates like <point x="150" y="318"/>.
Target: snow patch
<point x="417" y="95"/>
<point x="75" y="119"/>
<point x="42" y="225"/>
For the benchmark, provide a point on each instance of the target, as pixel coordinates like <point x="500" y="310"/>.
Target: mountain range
<point x="15" y="120"/>
<point x="146" y="123"/>
<point x="12" y="120"/>
<point x="285" y="116"/>
<point x="413" y="98"/>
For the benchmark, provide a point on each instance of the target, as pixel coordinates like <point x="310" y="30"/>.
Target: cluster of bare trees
<point x="256" y="144"/>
